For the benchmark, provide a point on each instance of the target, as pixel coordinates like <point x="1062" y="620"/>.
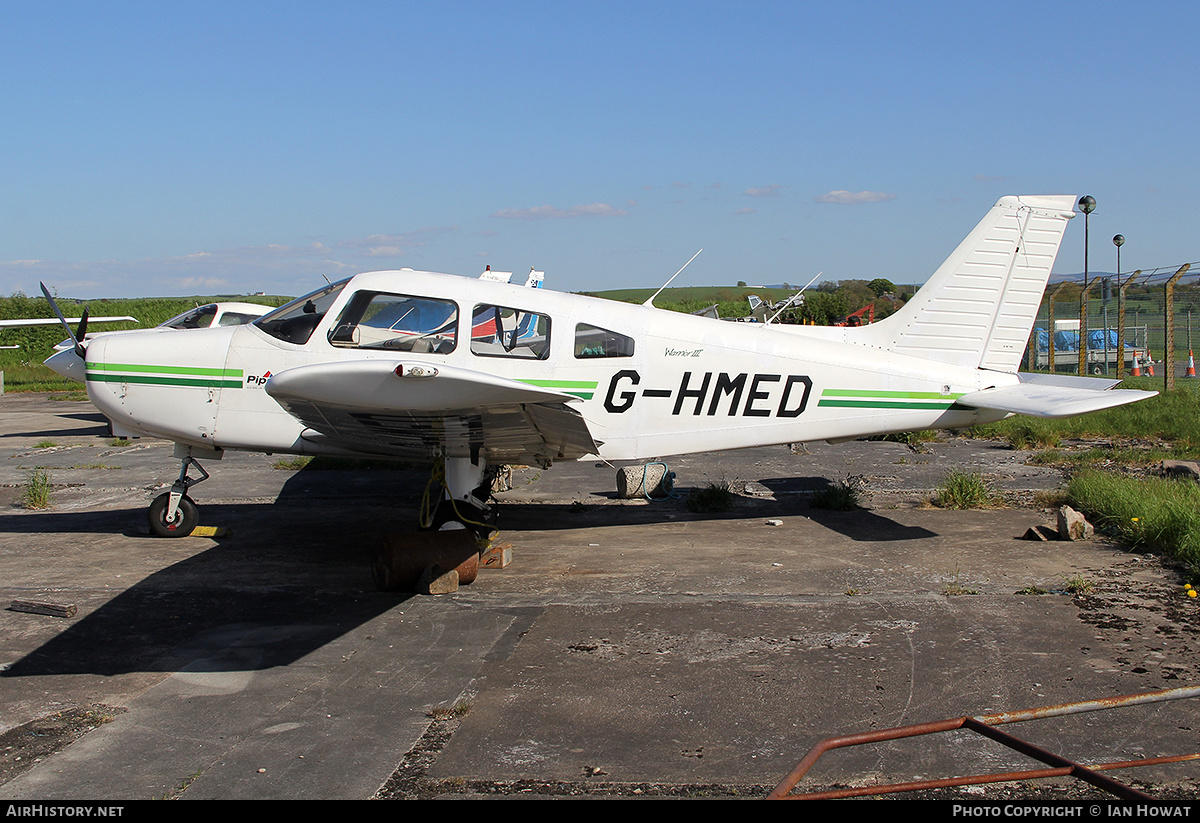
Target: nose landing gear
<point x="173" y="514"/>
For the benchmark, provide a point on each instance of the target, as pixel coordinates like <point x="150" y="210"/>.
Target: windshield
<point x="294" y="322"/>
<point x="198" y="318"/>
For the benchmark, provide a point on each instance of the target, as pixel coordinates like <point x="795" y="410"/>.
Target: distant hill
<point x="696" y="294"/>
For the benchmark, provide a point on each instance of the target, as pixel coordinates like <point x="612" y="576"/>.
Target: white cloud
<point x="547" y="212"/>
<point x="201" y="283"/>
<point x="389" y="245"/>
<point x="268" y="267"/>
<point x="851" y="198"/>
<point x="764" y="191"/>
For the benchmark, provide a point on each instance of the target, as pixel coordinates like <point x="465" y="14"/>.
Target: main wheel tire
<point x="186" y="517"/>
<point x="485" y="521"/>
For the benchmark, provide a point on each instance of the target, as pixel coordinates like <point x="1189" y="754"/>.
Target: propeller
<point x="79" y="347"/>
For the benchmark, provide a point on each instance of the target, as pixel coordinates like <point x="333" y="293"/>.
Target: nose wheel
<point x="181" y="524"/>
<point x="173" y="514"/>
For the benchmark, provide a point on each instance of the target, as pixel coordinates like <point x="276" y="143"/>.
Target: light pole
<point x="1118" y="241"/>
<point x="1087" y="205"/>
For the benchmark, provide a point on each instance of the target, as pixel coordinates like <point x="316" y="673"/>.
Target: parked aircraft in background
<point x="54" y="321"/>
<point x="534" y="279"/>
<point x="68" y="362"/>
<point x="213" y="315"/>
<point x="585" y="378"/>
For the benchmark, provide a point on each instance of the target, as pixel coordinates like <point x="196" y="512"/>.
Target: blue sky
<point x="185" y="148"/>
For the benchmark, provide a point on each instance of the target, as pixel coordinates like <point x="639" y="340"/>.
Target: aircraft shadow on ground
<point x="866" y="526"/>
<point x="295" y="575"/>
<point x="252" y="601"/>
<point x="100" y="429"/>
<point x="789" y="500"/>
<point x="858" y="524"/>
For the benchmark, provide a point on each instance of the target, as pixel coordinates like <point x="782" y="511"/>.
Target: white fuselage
<point x="671" y="383"/>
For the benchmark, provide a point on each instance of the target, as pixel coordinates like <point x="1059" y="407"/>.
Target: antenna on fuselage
<point x="650" y="302"/>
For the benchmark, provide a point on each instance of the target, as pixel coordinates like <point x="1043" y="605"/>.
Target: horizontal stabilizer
<point x="1071" y="380"/>
<point x="1054" y="396"/>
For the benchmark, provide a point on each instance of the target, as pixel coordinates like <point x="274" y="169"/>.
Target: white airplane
<point x="764" y="311"/>
<point x="534" y="279"/>
<point x="487" y="373"/>
<point x="213" y="315"/>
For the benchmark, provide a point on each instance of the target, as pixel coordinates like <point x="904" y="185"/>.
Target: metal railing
<point x="985" y="726"/>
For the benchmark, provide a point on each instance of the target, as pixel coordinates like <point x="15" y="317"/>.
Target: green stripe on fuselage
<point x="583" y="389"/>
<point x="191" y="376"/>
<point x="888" y="399"/>
<point x="193" y="371"/>
<point x="205" y="382"/>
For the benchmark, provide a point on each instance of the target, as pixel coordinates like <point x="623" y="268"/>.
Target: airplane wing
<point x="418" y="410"/>
<point x="54" y="321"/>
<point x="498" y="276"/>
<point x="1046" y="395"/>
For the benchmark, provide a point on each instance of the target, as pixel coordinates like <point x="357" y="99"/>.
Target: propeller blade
<point x="54" y="305"/>
<point x="81" y="335"/>
<point x="62" y="318"/>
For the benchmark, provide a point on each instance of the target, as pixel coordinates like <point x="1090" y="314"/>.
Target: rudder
<point x="978" y="308"/>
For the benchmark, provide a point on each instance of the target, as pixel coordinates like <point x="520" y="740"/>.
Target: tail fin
<point x="978" y="308"/>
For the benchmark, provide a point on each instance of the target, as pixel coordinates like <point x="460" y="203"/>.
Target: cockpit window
<point x="295" y="322"/>
<point x="499" y="331"/>
<point x="397" y="322"/>
<point x="593" y="341"/>
<point x="233" y="318"/>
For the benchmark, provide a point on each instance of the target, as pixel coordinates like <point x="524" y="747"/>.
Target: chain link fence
<point x="1138" y="324"/>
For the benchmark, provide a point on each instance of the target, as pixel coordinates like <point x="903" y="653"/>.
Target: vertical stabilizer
<point x="978" y="308"/>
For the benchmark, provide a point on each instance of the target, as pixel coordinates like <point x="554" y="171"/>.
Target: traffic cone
<point x="1149" y="363"/>
<point x="1191" y="369"/>
<point x="1137" y="368"/>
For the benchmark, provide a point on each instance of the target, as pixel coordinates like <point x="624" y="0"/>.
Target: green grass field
<point x="22" y="367"/>
<point x="1110" y="466"/>
<point x="1163" y="426"/>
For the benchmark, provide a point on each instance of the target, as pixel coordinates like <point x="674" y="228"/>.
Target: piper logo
<point x="255" y="380"/>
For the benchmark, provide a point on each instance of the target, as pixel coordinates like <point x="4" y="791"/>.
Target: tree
<point x="881" y="285"/>
<point x="824" y="308"/>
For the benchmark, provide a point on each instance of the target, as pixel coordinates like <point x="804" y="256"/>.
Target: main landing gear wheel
<point x="187" y="517"/>
<point x="479" y="521"/>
